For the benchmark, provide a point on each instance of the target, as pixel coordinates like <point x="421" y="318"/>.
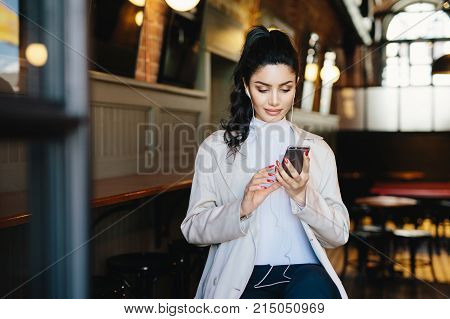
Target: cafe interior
<point x="103" y="104"/>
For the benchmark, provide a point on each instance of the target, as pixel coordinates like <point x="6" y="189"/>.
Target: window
<point x="416" y="36"/>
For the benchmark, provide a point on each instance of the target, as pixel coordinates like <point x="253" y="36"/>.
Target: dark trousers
<point x="308" y="281"/>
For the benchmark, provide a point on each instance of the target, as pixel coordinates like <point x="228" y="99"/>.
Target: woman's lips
<point x="272" y="112"/>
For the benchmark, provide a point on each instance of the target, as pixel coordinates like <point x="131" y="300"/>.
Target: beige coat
<point x="214" y="207"/>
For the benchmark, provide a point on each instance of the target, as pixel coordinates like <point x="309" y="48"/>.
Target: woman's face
<point x="272" y="90"/>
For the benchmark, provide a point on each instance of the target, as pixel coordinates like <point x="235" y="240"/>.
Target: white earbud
<point x="292" y="106"/>
<point x="246" y="89"/>
<point x="248" y="94"/>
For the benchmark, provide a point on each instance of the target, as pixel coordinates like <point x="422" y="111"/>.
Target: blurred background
<point x="103" y="104"/>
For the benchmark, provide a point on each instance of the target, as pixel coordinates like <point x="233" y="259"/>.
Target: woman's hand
<point x="295" y="186"/>
<point x="255" y="193"/>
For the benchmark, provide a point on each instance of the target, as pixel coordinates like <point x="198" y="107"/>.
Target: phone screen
<point x="295" y="156"/>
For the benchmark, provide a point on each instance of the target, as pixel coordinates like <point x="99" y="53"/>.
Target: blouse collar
<point x="256" y="123"/>
<point x="259" y="128"/>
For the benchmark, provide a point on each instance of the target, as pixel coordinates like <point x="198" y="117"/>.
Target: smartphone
<point x="295" y="156"/>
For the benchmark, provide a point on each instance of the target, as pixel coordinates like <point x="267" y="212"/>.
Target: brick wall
<point x="151" y="40"/>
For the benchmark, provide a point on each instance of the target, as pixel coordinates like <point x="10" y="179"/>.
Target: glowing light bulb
<point x="311" y="71"/>
<point x="139" y="18"/>
<point x="330" y="73"/>
<point x="138" y="3"/>
<point x="36" y="54"/>
<point x="182" y="5"/>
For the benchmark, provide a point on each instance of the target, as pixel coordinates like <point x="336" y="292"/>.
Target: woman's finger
<point x="267" y="181"/>
<point x="264" y="175"/>
<point x="265" y="172"/>
<point x="292" y="169"/>
<point x="306" y="163"/>
<point x="283" y="182"/>
<point x="280" y="179"/>
<point x="273" y="187"/>
<point x="255" y="188"/>
<point x="266" y="189"/>
<point x="264" y="179"/>
<point x="283" y="174"/>
<point x="266" y="169"/>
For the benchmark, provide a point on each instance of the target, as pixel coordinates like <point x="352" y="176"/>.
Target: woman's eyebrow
<point x="266" y="84"/>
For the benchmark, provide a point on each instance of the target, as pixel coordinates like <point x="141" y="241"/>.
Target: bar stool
<point x="141" y="271"/>
<point x="414" y="239"/>
<point x="105" y="287"/>
<point x="190" y="260"/>
<point x="440" y="216"/>
<point x="369" y="240"/>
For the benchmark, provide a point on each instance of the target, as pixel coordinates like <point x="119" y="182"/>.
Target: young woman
<point x="266" y="229"/>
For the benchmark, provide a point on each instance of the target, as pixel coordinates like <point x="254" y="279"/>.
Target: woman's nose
<point x="274" y="99"/>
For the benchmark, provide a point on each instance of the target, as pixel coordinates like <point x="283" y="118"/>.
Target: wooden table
<point x="116" y="190"/>
<point x="385" y="201"/>
<point x="429" y="193"/>
<point x="405" y="175"/>
<point x="381" y="204"/>
<point x="434" y="190"/>
<point x="109" y="191"/>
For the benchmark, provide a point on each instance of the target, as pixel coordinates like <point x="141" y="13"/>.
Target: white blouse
<point x="282" y="239"/>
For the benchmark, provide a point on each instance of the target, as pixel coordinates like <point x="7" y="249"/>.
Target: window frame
<point x="53" y="118"/>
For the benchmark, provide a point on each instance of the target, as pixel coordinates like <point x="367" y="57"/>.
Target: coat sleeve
<point x="324" y="211"/>
<point x="206" y="221"/>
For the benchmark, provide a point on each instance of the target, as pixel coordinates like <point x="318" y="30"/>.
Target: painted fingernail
<point x="270" y="174"/>
<point x="271" y="166"/>
<point x="306" y="152"/>
<point x="270" y="181"/>
<point x="278" y="163"/>
<point x="264" y="187"/>
<point x="285" y="160"/>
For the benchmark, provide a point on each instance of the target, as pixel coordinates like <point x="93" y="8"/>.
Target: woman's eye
<point x="286" y="90"/>
<point x="263" y="91"/>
